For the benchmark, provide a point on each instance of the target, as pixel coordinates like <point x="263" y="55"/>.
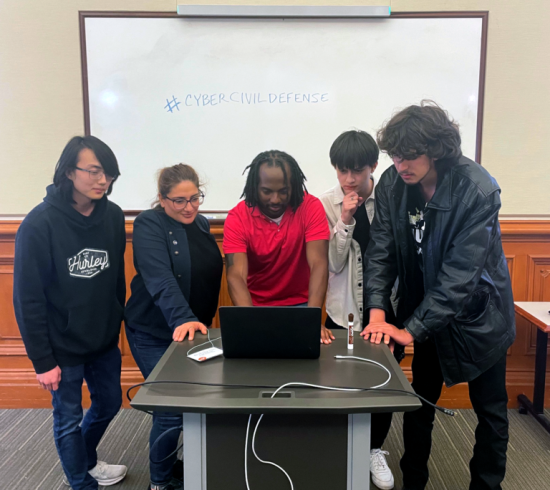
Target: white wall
<point x="41" y="91"/>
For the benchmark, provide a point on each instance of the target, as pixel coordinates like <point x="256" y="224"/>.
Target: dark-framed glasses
<point x="181" y="203"/>
<point x="97" y="174"/>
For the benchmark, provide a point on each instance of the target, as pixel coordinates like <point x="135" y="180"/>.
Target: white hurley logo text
<point x="88" y="263"/>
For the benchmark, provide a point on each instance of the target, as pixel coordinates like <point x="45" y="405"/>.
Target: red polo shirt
<point x="278" y="272"/>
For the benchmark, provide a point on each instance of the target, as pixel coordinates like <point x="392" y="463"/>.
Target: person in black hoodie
<point x="175" y="293"/>
<point x="69" y="293"/>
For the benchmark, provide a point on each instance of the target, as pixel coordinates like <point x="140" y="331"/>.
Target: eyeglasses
<point x="97" y="174"/>
<point x="180" y="203"/>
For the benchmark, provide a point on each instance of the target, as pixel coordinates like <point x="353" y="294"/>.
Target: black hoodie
<point x="69" y="288"/>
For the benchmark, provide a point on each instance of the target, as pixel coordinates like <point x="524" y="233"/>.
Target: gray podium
<point x="321" y="438"/>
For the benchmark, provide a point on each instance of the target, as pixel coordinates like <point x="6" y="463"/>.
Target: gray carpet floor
<point x="28" y="459"/>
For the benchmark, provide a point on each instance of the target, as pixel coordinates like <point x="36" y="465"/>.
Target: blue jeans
<point x="76" y="439"/>
<point x="147" y="351"/>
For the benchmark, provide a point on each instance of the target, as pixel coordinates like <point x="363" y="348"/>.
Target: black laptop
<point x="270" y="332"/>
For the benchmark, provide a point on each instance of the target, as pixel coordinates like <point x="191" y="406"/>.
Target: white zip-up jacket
<point x="345" y="263"/>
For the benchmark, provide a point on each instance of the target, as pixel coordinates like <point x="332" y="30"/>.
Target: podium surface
<point x="269" y="374"/>
<point x="322" y="438"/>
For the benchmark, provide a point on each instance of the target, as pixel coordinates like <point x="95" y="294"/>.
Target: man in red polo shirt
<point x="276" y="240"/>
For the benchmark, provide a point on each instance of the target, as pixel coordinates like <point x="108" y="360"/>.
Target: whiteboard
<point x="213" y="93"/>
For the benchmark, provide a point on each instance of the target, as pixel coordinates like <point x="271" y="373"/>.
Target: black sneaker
<point x="169" y="486"/>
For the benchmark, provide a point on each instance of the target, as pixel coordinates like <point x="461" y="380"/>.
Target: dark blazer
<point x="163" y="266"/>
<point x="468" y="305"/>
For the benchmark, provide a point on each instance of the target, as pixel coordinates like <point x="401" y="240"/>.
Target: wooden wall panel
<point x="526" y="245"/>
<point x="8" y="325"/>
<point x="538" y="277"/>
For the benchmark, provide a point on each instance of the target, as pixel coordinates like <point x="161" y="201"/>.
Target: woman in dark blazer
<point x="174" y="294"/>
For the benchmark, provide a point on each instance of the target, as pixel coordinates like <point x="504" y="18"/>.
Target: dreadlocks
<point x="274" y="158"/>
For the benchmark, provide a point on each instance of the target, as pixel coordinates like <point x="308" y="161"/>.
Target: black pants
<point x="489" y="400"/>
<point x="380" y="422"/>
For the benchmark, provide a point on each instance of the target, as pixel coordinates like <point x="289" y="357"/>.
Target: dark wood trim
<point x="440" y="13"/>
<point x="127" y="13"/>
<point x="82" y="15"/>
<point x="484" y="16"/>
<point x="84" y="70"/>
<point x="481" y="89"/>
<point x="394" y="14"/>
<point x="525" y="230"/>
<point x="6" y="260"/>
<point x="135" y="212"/>
<point x="512" y="230"/>
<point x="216" y="222"/>
<point x="8" y="229"/>
<point x="13" y="350"/>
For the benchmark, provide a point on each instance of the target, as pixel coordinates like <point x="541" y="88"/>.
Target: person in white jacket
<point x="349" y="206"/>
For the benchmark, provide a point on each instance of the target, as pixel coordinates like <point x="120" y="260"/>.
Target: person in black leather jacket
<point x="436" y="228"/>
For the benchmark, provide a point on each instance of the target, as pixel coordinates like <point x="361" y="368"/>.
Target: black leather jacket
<point x="468" y="306"/>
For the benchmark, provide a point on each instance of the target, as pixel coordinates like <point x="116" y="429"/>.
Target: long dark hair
<point x="69" y="158"/>
<point x="424" y="129"/>
<point x="275" y="158"/>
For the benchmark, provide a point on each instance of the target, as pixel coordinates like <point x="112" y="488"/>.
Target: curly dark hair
<point x="424" y="129"/>
<point x="275" y="158"/>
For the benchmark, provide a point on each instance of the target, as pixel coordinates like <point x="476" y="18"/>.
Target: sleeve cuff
<point x="229" y="250"/>
<point x="344" y="229"/>
<point x="44" y="364"/>
<point x="182" y="321"/>
<point x="417" y="329"/>
<point x="377" y="301"/>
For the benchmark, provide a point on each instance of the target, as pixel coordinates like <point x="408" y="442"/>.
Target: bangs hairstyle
<point x="69" y="158"/>
<point x="354" y="150"/>
<point x="424" y="129"/>
<point x="169" y="177"/>
<point x="275" y="158"/>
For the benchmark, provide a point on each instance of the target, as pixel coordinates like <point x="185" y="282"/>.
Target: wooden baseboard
<point x="19" y="389"/>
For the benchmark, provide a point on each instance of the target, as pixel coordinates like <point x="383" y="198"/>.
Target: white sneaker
<point x="105" y="474"/>
<point x="380" y="472"/>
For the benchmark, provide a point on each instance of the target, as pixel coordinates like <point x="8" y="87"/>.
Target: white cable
<point x="261" y="460"/>
<point x="246" y="453"/>
<point x="298" y="383"/>
<point x="211" y="342"/>
<point x="372" y="362"/>
<point x="321" y="387"/>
